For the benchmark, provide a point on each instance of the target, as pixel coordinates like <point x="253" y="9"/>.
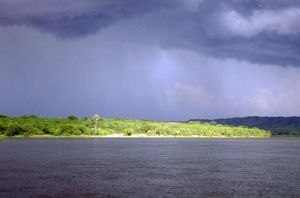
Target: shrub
<point x="45" y="128"/>
<point x="82" y="129"/>
<point x="158" y="131"/>
<point x="104" y="132"/>
<point x="56" y="132"/>
<point x="72" y="118"/>
<point x="128" y="131"/>
<point x="146" y="128"/>
<point x="14" y="129"/>
<point x="69" y="129"/>
<point x="151" y="132"/>
<point x="30" y="129"/>
<point x="3" y="128"/>
<point x="32" y="116"/>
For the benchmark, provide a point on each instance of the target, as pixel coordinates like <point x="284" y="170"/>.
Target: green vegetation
<point x="96" y="126"/>
<point x="277" y="125"/>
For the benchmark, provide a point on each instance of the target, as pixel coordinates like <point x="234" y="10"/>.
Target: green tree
<point x="72" y="118"/>
<point x="14" y="129"/>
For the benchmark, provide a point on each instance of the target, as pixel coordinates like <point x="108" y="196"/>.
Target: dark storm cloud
<point x="77" y="18"/>
<point x="207" y="34"/>
<point x="259" y="31"/>
<point x="246" y="7"/>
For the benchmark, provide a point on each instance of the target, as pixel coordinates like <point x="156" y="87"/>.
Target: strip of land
<point x="32" y="126"/>
<point x="287" y="126"/>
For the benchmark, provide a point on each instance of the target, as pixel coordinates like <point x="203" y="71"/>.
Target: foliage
<point x="277" y="125"/>
<point x="69" y="129"/>
<point x="72" y="118"/>
<point x="3" y="128"/>
<point x="128" y="131"/>
<point x="32" y="125"/>
<point x="14" y="129"/>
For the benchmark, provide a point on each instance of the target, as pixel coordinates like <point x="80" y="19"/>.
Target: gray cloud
<point x="69" y="18"/>
<point x="264" y="31"/>
<point x="82" y="17"/>
<point x="195" y="32"/>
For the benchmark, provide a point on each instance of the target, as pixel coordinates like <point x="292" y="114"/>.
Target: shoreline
<point x="121" y="136"/>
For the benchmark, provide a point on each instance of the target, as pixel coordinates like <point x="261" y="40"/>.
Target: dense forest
<point x="96" y="126"/>
<point x="277" y="125"/>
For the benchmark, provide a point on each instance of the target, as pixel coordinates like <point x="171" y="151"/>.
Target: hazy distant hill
<point x="277" y="125"/>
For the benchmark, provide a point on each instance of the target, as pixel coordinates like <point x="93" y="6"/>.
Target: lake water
<point x="150" y="168"/>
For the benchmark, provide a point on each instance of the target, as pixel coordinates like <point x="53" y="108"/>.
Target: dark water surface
<point x="150" y="168"/>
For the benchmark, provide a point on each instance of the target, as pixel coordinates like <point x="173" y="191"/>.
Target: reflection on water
<point x="150" y="168"/>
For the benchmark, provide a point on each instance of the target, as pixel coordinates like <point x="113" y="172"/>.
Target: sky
<point x="158" y="59"/>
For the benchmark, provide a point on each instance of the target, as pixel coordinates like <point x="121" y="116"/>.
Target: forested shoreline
<point x="72" y="126"/>
<point x="289" y="126"/>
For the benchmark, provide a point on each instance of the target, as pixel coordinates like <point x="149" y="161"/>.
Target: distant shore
<point x="32" y="126"/>
<point x="129" y="137"/>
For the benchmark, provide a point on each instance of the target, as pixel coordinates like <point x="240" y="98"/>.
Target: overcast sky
<point x="158" y="59"/>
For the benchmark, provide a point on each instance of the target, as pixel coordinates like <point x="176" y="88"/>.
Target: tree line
<point x="73" y="126"/>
